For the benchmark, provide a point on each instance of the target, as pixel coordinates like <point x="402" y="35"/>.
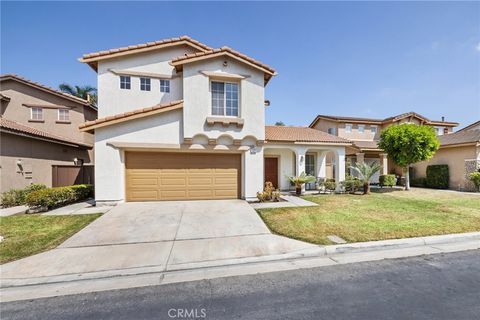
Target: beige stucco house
<point x="39" y="136"/>
<point x="461" y="152"/>
<point x="181" y="120"/>
<point x="364" y="133"/>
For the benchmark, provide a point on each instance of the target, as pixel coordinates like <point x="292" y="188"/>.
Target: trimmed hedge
<point x="418" y="182"/>
<point x="438" y="176"/>
<point x="16" y="197"/>
<point x="387" y="180"/>
<point x="53" y="197"/>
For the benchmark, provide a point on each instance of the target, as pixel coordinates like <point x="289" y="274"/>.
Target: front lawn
<point x="29" y="234"/>
<point x="379" y="216"/>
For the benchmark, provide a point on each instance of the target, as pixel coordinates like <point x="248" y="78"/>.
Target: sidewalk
<point x="21" y="289"/>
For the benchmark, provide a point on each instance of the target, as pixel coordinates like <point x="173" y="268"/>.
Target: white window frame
<point x="332" y="131"/>
<point x="348" y="127"/>
<point x="147" y="86"/>
<point x="361" y="126"/>
<point x="65" y="112"/>
<point x="374" y="129"/>
<point x="32" y="113"/>
<point x="165" y="85"/>
<point x="225" y="99"/>
<point x="126" y="82"/>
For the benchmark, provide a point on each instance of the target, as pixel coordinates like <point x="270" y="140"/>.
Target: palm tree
<point x="300" y="180"/>
<point x="85" y="92"/>
<point x="365" y="173"/>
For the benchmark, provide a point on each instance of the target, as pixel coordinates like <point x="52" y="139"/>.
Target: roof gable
<point x="44" y="88"/>
<point x="92" y="58"/>
<point x="224" y="51"/>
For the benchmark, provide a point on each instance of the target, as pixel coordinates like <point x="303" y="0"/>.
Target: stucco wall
<point x="286" y="165"/>
<point x="113" y="100"/>
<point x="197" y="99"/>
<point x="109" y="164"/>
<point x="454" y="157"/>
<point x="21" y="94"/>
<point x="37" y="156"/>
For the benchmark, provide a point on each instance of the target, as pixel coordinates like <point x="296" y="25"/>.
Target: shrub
<point x="329" y="184"/>
<point x="438" y="176"/>
<point x="418" y="182"/>
<point x="351" y="184"/>
<point x="387" y="180"/>
<point x="269" y="193"/>
<point x="52" y="197"/>
<point x="475" y="178"/>
<point x="16" y="197"/>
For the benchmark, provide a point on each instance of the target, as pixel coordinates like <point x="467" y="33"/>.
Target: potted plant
<point x="300" y="180"/>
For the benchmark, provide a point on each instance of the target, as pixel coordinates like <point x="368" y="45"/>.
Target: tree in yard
<point x="407" y="144"/>
<point x="280" y="123"/>
<point x="85" y="92"/>
<point x="365" y="173"/>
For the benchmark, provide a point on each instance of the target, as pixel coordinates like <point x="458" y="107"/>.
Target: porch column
<point x="322" y="164"/>
<point x="360" y="157"/>
<point x="300" y="162"/>
<point x="384" y="163"/>
<point x="340" y="167"/>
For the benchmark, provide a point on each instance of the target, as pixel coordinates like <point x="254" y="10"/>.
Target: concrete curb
<point x="333" y="252"/>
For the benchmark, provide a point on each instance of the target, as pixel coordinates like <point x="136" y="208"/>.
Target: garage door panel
<point x="180" y="176"/>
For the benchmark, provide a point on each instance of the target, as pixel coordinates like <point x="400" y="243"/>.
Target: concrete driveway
<point x="159" y="236"/>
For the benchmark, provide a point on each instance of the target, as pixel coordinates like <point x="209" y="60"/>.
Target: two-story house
<point x="40" y="140"/>
<point x="181" y="120"/>
<point x="365" y="133"/>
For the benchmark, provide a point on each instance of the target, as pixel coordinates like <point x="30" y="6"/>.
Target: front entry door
<point x="271" y="171"/>
<point x="310" y="170"/>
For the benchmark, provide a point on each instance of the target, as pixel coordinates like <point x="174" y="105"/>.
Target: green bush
<point x="329" y="184"/>
<point x="418" y="182"/>
<point x="16" y="197"/>
<point x="387" y="180"/>
<point x="53" y="197"/>
<point x="475" y="178"/>
<point x="438" y="176"/>
<point x="351" y="184"/>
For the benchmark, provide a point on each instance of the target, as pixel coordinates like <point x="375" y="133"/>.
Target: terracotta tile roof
<point x="90" y="58"/>
<point x="40" y="86"/>
<point x="223" y="50"/>
<point x="370" y="145"/>
<point x="460" y="137"/>
<point x="477" y="123"/>
<point x="135" y="114"/>
<point x="381" y="121"/>
<point x="15" y="127"/>
<point x="300" y="134"/>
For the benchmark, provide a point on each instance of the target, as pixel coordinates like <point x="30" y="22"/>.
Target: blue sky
<point x="369" y="59"/>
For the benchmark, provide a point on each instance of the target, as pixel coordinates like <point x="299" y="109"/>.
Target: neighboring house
<point x="40" y="140"/>
<point x="365" y="133"/>
<point x="180" y="120"/>
<point x="461" y="152"/>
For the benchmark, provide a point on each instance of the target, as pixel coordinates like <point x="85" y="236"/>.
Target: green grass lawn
<point x="29" y="234"/>
<point x="379" y="216"/>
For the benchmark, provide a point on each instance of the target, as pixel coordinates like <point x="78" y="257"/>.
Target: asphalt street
<point x="442" y="286"/>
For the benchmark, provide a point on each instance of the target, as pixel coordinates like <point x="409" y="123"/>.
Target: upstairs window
<point x="332" y="131"/>
<point x="145" y="84"/>
<point x="373" y="129"/>
<point x="224" y="99"/>
<point x="36" y="114"/>
<point x="361" y="128"/>
<point x="63" y="115"/>
<point x="165" y="86"/>
<point x="348" y="128"/>
<point x="125" y="82"/>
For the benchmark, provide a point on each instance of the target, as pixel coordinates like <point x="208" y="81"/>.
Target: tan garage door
<point x="152" y="176"/>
